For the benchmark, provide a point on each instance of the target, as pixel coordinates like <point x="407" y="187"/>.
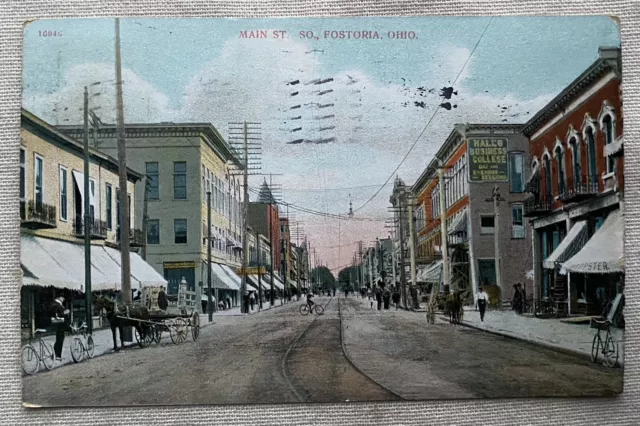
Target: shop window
<point x="109" y="199"/>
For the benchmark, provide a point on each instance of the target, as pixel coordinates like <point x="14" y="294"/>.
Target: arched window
<point x="547" y="177"/>
<point x="607" y="128"/>
<point x="590" y="140"/>
<point x="577" y="169"/>
<point x="559" y="154"/>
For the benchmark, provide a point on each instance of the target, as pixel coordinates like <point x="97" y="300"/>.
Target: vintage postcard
<point x="242" y="211"/>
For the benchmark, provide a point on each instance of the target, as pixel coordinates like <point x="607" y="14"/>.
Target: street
<point x="280" y="356"/>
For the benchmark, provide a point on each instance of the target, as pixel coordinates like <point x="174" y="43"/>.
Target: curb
<point x="545" y="345"/>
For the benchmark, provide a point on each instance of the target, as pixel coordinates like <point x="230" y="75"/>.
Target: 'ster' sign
<point x="488" y="160"/>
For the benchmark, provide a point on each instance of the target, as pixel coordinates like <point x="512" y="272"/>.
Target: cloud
<point x="373" y="122"/>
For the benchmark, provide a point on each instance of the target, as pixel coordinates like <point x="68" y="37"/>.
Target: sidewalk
<point x="551" y="333"/>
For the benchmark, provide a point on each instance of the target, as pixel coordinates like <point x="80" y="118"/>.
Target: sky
<point x="377" y="102"/>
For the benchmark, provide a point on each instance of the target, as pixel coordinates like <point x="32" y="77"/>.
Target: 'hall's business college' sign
<point x="488" y="160"/>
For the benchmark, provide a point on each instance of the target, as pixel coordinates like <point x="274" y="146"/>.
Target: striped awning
<point x="571" y="244"/>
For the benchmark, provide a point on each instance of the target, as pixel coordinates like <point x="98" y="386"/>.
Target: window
<point x="152" y="178"/>
<point x="577" y="170"/>
<point x="23" y="173"/>
<point x="63" y="193"/>
<point x="517" y="221"/>
<point x="591" y="151"/>
<point x="204" y="183"/>
<point x="38" y="171"/>
<point x="92" y="188"/>
<point x="153" y="231"/>
<point x="109" y="198"/>
<point x="487" y="224"/>
<point x="607" y="127"/>
<point x="516" y="171"/>
<point x="180" y="180"/>
<point x="487" y="272"/>
<point x="547" y="177"/>
<point x="561" y="175"/>
<point x="180" y="231"/>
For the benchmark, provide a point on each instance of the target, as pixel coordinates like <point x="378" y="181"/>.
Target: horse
<point x="453" y="306"/>
<point x="116" y="311"/>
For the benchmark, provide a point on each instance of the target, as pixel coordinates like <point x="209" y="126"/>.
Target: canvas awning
<point x="292" y="283"/>
<point x="575" y="239"/>
<point x="459" y="224"/>
<point x="434" y="272"/>
<point x="604" y="252"/>
<point x="276" y="283"/>
<point x="223" y="281"/>
<point x="41" y="269"/>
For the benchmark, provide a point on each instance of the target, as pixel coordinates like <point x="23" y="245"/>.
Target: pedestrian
<point x="386" y="298"/>
<point x="163" y="303"/>
<point x="204" y="300"/>
<point x="334" y="292"/>
<point x="482" y="299"/>
<point x="252" y="300"/>
<point x="228" y="300"/>
<point x="60" y="319"/>
<point x="515" y="300"/>
<point x="379" y="298"/>
<point x="138" y="296"/>
<point x="396" y="298"/>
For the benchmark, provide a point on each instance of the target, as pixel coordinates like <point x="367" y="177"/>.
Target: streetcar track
<point x="350" y="361"/>
<point x="285" y="376"/>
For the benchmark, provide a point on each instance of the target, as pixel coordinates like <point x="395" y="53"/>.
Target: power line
<point x="428" y="122"/>
<point x="335" y="189"/>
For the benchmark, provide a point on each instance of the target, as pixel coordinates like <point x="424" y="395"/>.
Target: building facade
<point x="264" y="217"/>
<point x="576" y="186"/>
<point x="183" y="163"/>
<point x="477" y="161"/>
<point x="52" y="222"/>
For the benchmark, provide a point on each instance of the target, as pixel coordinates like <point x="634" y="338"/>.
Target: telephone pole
<point x="145" y="216"/>
<point x="88" y="219"/>
<point x="125" y="227"/>
<point x="443" y="229"/>
<point x="259" y="274"/>
<point x="209" y="298"/>
<point x="412" y="251"/>
<point x="403" y="279"/>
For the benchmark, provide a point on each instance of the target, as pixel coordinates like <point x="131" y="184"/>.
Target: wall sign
<point x="488" y="160"/>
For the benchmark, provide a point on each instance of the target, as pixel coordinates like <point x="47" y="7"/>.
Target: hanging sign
<point x="488" y="160"/>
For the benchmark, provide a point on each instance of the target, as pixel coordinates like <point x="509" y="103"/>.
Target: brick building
<point x="576" y="186"/>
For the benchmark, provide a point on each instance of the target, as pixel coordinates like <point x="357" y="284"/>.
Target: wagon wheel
<point x="138" y="338"/>
<point x="149" y="334"/>
<point x="195" y="326"/>
<point x="157" y="332"/>
<point x="178" y="331"/>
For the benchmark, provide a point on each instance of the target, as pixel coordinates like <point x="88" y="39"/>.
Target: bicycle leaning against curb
<point x="32" y="357"/>
<point x="82" y="343"/>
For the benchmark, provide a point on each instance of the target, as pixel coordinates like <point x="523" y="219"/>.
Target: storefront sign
<point x="179" y="265"/>
<point x="488" y="160"/>
<point x="252" y="271"/>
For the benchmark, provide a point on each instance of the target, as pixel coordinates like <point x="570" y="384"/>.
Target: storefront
<point x="174" y="272"/>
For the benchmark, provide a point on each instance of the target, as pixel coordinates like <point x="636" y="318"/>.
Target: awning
<point x="434" y="272"/>
<point x="613" y="148"/>
<point x="60" y="264"/>
<point x="604" y="252"/>
<point x="292" y="283"/>
<point x="459" y="224"/>
<point x="421" y="273"/>
<point x="223" y="281"/>
<point x="575" y="239"/>
<point x="257" y="280"/>
<point x="79" y="178"/>
<point x="276" y="283"/>
<point x="252" y="281"/>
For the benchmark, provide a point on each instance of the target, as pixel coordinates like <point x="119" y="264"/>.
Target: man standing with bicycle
<point x="60" y="319"/>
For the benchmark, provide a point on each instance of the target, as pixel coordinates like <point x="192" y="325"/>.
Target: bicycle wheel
<point x="77" y="349"/>
<point x="304" y="310"/>
<point x="195" y="327"/>
<point x="90" y="346"/>
<point x="319" y="310"/>
<point x="595" y="348"/>
<point x="48" y="356"/>
<point x="30" y="360"/>
<point x="610" y="350"/>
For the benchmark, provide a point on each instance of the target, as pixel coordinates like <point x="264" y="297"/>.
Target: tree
<point x="323" y="277"/>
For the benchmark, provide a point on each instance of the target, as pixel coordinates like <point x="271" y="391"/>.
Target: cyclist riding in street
<point x="310" y="302"/>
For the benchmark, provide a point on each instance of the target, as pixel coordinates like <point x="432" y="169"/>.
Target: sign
<point x="253" y="270"/>
<point x="179" y="265"/>
<point x="488" y="160"/>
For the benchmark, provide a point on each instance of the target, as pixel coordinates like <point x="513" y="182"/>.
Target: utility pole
<point x="443" y="229"/>
<point x="495" y="198"/>
<point x="259" y="275"/>
<point x="412" y="251"/>
<point x="403" y="279"/>
<point x="124" y="197"/>
<point x="393" y="260"/>
<point x="145" y="216"/>
<point x="209" y="298"/>
<point x="245" y="212"/>
<point x="88" y="219"/>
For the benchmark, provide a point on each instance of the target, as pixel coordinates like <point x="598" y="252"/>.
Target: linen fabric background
<point x="623" y="410"/>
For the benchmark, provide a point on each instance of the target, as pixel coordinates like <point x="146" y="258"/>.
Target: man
<point x="482" y="299"/>
<point x="59" y="318"/>
<point x="310" y="302"/>
<point x="163" y="303"/>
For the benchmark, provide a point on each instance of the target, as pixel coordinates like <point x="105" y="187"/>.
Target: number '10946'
<point x="50" y="33"/>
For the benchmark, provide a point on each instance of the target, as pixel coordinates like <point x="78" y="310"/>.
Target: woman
<point x="60" y="319"/>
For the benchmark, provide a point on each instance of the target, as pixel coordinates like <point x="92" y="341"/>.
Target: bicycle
<point x="45" y="355"/>
<point x="304" y="309"/>
<point x="82" y="343"/>
<point x="608" y="348"/>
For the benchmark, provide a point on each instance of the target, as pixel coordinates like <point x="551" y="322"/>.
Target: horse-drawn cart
<point x="179" y="326"/>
